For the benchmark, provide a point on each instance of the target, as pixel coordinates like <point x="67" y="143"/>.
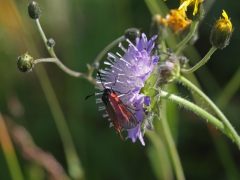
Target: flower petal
<point x="135" y="133"/>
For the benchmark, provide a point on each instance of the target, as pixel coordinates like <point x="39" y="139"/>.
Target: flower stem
<point x="196" y="109"/>
<point x="103" y="52"/>
<point x="45" y="60"/>
<point x="66" y="69"/>
<point x="171" y="145"/>
<point x="61" y="65"/>
<point x="9" y="152"/>
<point x="213" y="106"/>
<point x="202" y="62"/>
<point x="182" y="44"/>
<point x="163" y="46"/>
<point x="50" y="50"/>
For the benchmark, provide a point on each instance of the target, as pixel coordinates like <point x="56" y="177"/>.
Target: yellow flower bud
<point x="221" y="32"/>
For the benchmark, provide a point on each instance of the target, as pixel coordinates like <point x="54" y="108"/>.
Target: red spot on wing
<point x="124" y="116"/>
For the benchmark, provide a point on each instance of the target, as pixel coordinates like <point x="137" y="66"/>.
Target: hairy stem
<point x="213" y="106"/>
<point x="199" y="111"/>
<point x="202" y="62"/>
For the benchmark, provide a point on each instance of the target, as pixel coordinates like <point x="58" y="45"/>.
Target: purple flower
<point x="127" y="75"/>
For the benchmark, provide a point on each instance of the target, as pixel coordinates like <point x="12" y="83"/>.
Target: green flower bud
<point x="25" y="63"/>
<point x="96" y="65"/>
<point x="132" y="34"/>
<point x="169" y="69"/>
<point x="34" y="10"/>
<point x="51" y="42"/>
<point x="183" y="61"/>
<point x="221" y="32"/>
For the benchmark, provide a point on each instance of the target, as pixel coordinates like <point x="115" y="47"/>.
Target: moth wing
<point x="124" y="116"/>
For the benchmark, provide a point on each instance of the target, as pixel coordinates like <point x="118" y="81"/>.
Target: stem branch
<point x="61" y="65"/>
<point x="182" y="44"/>
<point x="50" y="50"/>
<point x="57" y="61"/>
<point x="202" y="62"/>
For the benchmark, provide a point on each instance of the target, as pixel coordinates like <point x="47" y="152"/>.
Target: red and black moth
<point x="119" y="113"/>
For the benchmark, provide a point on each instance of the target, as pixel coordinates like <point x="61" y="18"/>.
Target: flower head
<point x="186" y="3"/>
<point x="127" y="75"/>
<point x="193" y="8"/>
<point x="224" y="23"/>
<point x="177" y="20"/>
<point x="221" y="32"/>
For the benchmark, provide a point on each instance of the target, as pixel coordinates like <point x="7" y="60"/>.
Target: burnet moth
<point x="119" y="113"/>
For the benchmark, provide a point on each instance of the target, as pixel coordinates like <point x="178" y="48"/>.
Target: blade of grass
<point x="159" y="157"/>
<point x="9" y="152"/>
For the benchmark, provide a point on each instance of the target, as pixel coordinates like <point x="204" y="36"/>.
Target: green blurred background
<point x="81" y="29"/>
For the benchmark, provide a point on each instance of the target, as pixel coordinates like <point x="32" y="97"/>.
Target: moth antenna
<point x="101" y="79"/>
<point x="89" y="96"/>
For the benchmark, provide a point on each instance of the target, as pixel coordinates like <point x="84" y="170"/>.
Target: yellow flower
<point x="186" y="3"/>
<point x="177" y="20"/>
<point x="224" y="23"/>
